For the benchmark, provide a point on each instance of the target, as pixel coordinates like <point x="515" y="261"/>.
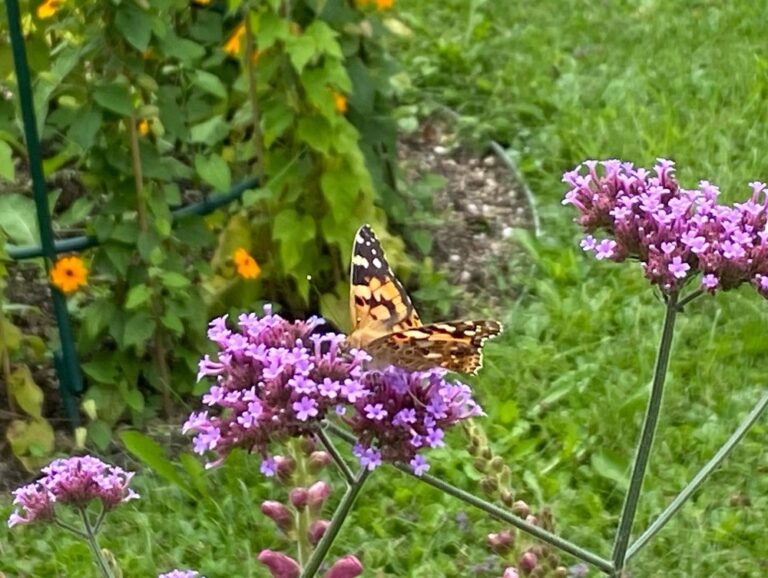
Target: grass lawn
<point x="558" y="81"/>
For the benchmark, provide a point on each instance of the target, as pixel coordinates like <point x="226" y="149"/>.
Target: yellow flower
<point x="247" y="267"/>
<point x="384" y="4"/>
<point x="340" y="101"/>
<point x="201" y="2"/>
<point x="68" y="274"/>
<point x="233" y="44"/>
<point x="144" y="127"/>
<point x="48" y="8"/>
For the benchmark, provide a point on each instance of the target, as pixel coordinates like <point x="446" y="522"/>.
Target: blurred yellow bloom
<point x="384" y="4"/>
<point x="247" y="267"/>
<point x="48" y="8"/>
<point x="233" y="44"/>
<point x="340" y="101"/>
<point x="201" y="2"/>
<point x="68" y="274"/>
<point x="144" y="127"/>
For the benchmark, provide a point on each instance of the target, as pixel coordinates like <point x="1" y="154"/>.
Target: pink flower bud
<point x="316" y="531"/>
<point x="318" y="493"/>
<point x="521" y="509"/>
<point x="285" y="468"/>
<point x="299" y="497"/>
<point x="528" y="562"/>
<point x="501" y="543"/>
<point x="346" y="567"/>
<point x="511" y="573"/>
<point x="531" y="519"/>
<point x="318" y="460"/>
<point x="279" y="565"/>
<point x="279" y="514"/>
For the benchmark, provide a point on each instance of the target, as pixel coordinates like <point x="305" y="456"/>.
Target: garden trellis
<point x="71" y="383"/>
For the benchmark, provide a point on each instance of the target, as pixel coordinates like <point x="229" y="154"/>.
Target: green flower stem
<point x="93" y="543"/>
<point x="303" y="521"/>
<point x="77" y="532"/>
<point x="498" y="512"/>
<point x="341" y="513"/>
<point x="331" y="449"/>
<point x="646" y="438"/>
<point x="700" y="477"/>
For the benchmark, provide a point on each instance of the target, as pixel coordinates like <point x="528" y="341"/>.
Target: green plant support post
<point x="67" y="366"/>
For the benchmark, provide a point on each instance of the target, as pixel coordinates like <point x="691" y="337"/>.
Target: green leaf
<point x="316" y="132"/>
<point x="210" y="83"/>
<point x="153" y="455"/>
<point x="135" y="25"/>
<point x="196" y="472"/>
<point x="172" y="322"/>
<point x="211" y="131"/>
<point x="340" y="188"/>
<point x="293" y="231"/>
<point x="301" y="50"/>
<point x="271" y="28"/>
<point x="138" y="295"/>
<point x="102" y="371"/>
<point x="114" y="98"/>
<point x="18" y="218"/>
<point x="214" y="171"/>
<point x="12" y="335"/>
<point x="26" y="392"/>
<point x="134" y="399"/>
<point x="324" y="38"/>
<point x="277" y="117"/>
<point x="83" y="131"/>
<point x="138" y="329"/>
<point x="174" y="280"/>
<point x="100" y="433"/>
<point x="7" y="169"/>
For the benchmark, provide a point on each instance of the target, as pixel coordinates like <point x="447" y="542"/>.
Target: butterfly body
<point x="388" y="327"/>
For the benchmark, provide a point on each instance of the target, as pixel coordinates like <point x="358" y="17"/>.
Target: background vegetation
<point x="565" y="387"/>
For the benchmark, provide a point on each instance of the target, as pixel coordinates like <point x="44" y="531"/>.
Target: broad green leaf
<point x="196" y="472"/>
<point x="31" y="442"/>
<point x="340" y="188"/>
<point x="18" y="219"/>
<point x="153" y="455"/>
<point x="316" y="132"/>
<point x="7" y="169"/>
<point x="138" y="329"/>
<point x="271" y="28"/>
<point x="26" y="392"/>
<point x="214" y="171"/>
<point x="100" y="433"/>
<point x="134" y="399"/>
<point x="301" y="50"/>
<point x="324" y="38"/>
<point x="293" y="231"/>
<point x="135" y="25"/>
<point x="210" y="83"/>
<point x="276" y="118"/>
<point x="83" y="131"/>
<point x="114" y="98"/>
<point x="174" y="280"/>
<point x="210" y="131"/>
<point x="101" y="370"/>
<point x="137" y="296"/>
<point x="12" y="335"/>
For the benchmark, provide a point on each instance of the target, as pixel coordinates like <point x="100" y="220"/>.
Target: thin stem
<point x="646" y="438"/>
<point x="700" y="477"/>
<point x="331" y="449"/>
<point x="5" y="355"/>
<point x="100" y="520"/>
<point x="304" y="548"/>
<point x="93" y="543"/>
<point x="138" y="173"/>
<point x="68" y="528"/>
<point x="688" y="298"/>
<point x="341" y="513"/>
<point x="497" y="512"/>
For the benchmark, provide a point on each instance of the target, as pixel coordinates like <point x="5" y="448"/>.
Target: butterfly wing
<point x="454" y="345"/>
<point x="378" y="302"/>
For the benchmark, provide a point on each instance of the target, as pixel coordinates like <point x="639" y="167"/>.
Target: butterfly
<point x="387" y="326"/>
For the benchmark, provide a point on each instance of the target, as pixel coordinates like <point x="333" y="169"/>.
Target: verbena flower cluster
<point x="275" y="379"/>
<point x="181" y="574"/>
<point x="73" y="481"/>
<point x="675" y="233"/>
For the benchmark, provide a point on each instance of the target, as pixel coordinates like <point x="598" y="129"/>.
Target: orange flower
<point x="48" y="8"/>
<point x="68" y="274"/>
<point x="233" y="44"/>
<point x="144" y="127"/>
<point x="340" y="101"/>
<point x="382" y="5"/>
<point x="247" y="267"/>
<point x="201" y="2"/>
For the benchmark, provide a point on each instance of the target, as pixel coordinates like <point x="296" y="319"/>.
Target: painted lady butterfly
<point x="387" y="326"/>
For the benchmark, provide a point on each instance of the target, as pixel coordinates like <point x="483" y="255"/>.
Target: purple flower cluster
<point x="405" y="413"/>
<point x="73" y="481"/>
<point x="276" y="380"/>
<point x="181" y="574"/>
<point x="674" y="232"/>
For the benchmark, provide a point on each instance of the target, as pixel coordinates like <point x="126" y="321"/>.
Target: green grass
<point x="565" y="388"/>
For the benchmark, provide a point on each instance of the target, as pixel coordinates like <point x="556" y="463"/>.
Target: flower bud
<point x="346" y="567"/>
<point x="497" y="464"/>
<point x="560" y="572"/>
<point x="507" y="497"/>
<point x="308" y="445"/>
<point x="316" y="531"/>
<point x="279" y="565"/>
<point x="501" y="543"/>
<point x="279" y="514"/>
<point x="521" y="509"/>
<point x="285" y="468"/>
<point x="480" y="465"/>
<point x="489" y="485"/>
<point x="318" y="460"/>
<point x="528" y="562"/>
<point x="317" y="494"/>
<point x="531" y="519"/>
<point x="299" y="497"/>
<point x="487" y="453"/>
<point x="511" y="573"/>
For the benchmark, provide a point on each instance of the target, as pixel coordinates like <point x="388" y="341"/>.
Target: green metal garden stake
<point x="70" y="380"/>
